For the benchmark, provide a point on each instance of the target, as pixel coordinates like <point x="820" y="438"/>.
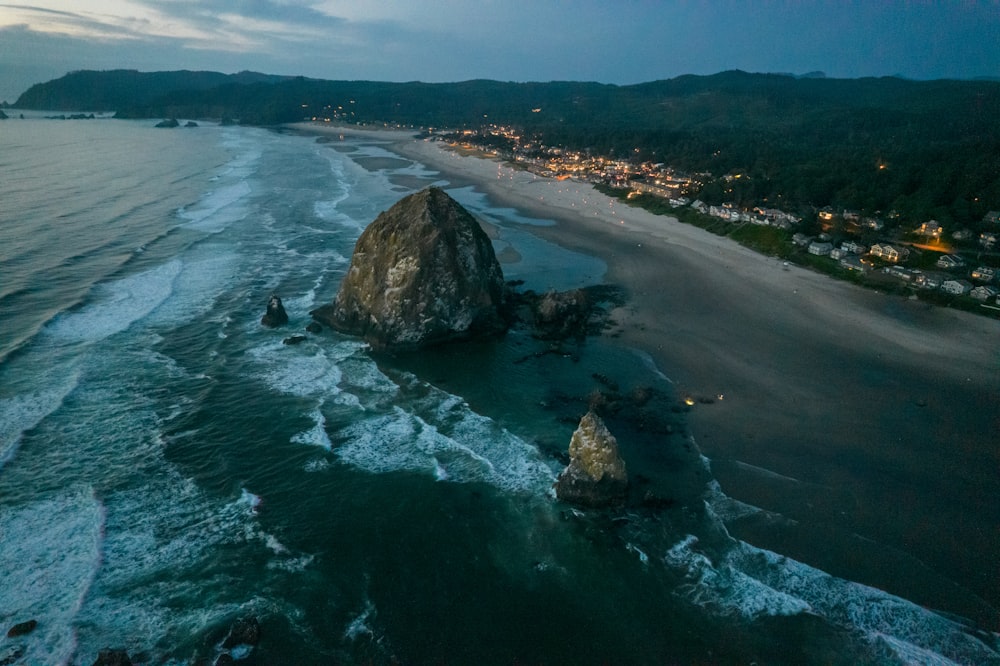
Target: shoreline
<point x="868" y="414"/>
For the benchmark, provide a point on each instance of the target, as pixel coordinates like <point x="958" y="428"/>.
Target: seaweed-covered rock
<point x="596" y="474"/>
<point x="422" y="273"/>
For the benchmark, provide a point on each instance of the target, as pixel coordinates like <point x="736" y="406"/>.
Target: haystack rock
<point x="422" y="273"/>
<point x="596" y="475"/>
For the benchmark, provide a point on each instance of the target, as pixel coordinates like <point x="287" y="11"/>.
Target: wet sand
<point x="865" y="425"/>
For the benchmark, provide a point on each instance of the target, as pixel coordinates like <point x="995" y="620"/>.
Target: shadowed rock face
<point x="422" y="273"/>
<point x="596" y="475"/>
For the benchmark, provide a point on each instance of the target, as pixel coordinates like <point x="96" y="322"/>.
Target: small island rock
<point x="22" y="628"/>
<point x="275" y="314"/>
<point x="424" y="272"/>
<point x="168" y="123"/>
<point x="596" y="475"/>
<point x="244" y="631"/>
<point x="113" y="657"/>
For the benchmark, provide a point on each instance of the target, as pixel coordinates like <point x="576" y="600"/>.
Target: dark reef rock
<point x="294" y="340"/>
<point x="422" y="273"/>
<point x="11" y="655"/>
<point x="244" y="631"/>
<point x="314" y="327"/>
<point x="596" y="475"/>
<point x="563" y="314"/>
<point x="168" y="123"/>
<point x="22" y="628"/>
<point x="3" y="116"/>
<point x="113" y="657"/>
<point x="190" y="123"/>
<point x="275" y="315"/>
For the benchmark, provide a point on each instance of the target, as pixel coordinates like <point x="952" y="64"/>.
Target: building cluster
<point x="677" y="188"/>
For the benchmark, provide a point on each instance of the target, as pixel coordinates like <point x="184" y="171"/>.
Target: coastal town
<point x="953" y="266"/>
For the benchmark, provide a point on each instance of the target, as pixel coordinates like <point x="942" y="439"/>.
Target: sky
<point x="610" y="41"/>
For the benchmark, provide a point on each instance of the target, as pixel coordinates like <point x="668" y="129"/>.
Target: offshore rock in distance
<point x="275" y="314"/>
<point x="595" y="476"/>
<point x="422" y="273"/>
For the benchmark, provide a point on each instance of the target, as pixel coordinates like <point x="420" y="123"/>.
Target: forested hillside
<point x="923" y="149"/>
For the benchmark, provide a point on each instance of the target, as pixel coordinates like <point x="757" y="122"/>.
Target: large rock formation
<point x="596" y="475"/>
<point x="423" y="272"/>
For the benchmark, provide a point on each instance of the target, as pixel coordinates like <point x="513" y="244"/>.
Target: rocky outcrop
<point x="422" y="273"/>
<point x="244" y="631"/>
<point x="275" y="314"/>
<point x="170" y="123"/>
<point x="113" y="657"/>
<point x="562" y="314"/>
<point x="596" y="475"/>
<point x="22" y="628"/>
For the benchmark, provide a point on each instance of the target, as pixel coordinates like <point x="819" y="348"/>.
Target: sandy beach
<point x="864" y="425"/>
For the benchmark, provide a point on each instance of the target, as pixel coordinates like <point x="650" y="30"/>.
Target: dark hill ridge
<point x="927" y="149"/>
<point x="125" y="88"/>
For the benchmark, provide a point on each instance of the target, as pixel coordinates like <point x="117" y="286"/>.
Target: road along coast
<point x="863" y="424"/>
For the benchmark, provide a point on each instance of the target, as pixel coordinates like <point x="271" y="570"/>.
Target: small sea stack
<point x="275" y="315"/>
<point x="596" y="475"/>
<point x="423" y="273"/>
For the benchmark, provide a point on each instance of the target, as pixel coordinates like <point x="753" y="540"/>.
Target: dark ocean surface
<point x="168" y="465"/>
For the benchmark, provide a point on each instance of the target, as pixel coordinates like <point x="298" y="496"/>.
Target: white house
<point x="930" y="229"/>
<point x="889" y="252"/>
<point x="949" y="261"/>
<point x="854" y="246"/>
<point x="984" y="274"/>
<point x="957" y="287"/>
<point x="984" y="293"/>
<point x="820" y="248"/>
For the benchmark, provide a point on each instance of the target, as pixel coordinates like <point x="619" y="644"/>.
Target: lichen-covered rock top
<point x="423" y="272"/>
<point x="596" y="474"/>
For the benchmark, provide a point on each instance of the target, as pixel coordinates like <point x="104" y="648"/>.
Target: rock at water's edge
<point x="422" y="273"/>
<point x="596" y="475"/>
<point x="244" y="631"/>
<point x="22" y="628"/>
<point x="168" y="123"/>
<point x="113" y="657"/>
<point x="275" y="315"/>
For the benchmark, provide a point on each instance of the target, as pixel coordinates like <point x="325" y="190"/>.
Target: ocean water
<point x="168" y="465"/>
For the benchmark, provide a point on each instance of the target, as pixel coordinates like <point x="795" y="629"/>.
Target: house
<point x="854" y="246"/>
<point x="957" y="287"/>
<point x="801" y="239"/>
<point x="984" y="274"/>
<point x="961" y="235"/>
<point x="992" y="217"/>
<point x="889" y="252"/>
<point x="988" y="239"/>
<point x="928" y="280"/>
<point x="930" y="229"/>
<point x="872" y="223"/>
<point x="853" y="262"/>
<point x="838" y="253"/>
<point x="700" y="206"/>
<point x="820" y="248"/>
<point x="826" y="213"/>
<point x="901" y="272"/>
<point x="949" y="261"/>
<point x="984" y="293"/>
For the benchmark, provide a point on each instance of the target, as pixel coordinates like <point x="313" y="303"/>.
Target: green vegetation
<point x="926" y="149"/>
